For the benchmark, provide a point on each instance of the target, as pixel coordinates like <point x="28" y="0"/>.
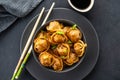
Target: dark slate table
<point x="105" y="17"/>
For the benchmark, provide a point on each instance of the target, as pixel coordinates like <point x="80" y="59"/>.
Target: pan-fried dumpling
<point x="58" y="64"/>
<point x="79" y="48"/>
<point x="58" y="37"/>
<point x="72" y="59"/>
<point x="54" y="26"/>
<point x="63" y="50"/>
<point x="66" y="29"/>
<point x="46" y="59"/>
<point x="74" y="34"/>
<point x="42" y="34"/>
<point x="40" y="45"/>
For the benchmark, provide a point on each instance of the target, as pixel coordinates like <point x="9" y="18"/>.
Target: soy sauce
<point x="81" y="4"/>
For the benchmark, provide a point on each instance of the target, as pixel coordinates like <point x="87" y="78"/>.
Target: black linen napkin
<point x="10" y="10"/>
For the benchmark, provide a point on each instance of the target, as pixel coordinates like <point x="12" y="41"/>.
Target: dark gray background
<point x="105" y="17"/>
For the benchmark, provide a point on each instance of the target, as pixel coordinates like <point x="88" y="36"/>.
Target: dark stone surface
<point x="106" y="20"/>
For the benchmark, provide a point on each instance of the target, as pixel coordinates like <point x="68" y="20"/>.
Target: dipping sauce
<point x="81" y="4"/>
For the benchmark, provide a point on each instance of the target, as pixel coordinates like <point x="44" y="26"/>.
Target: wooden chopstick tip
<point x="53" y="3"/>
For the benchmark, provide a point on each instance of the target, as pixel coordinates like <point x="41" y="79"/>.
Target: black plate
<point x="91" y="55"/>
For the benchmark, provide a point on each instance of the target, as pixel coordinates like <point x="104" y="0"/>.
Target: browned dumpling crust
<point x="63" y="50"/>
<point x="72" y="59"/>
<point x="41" y="44"/>
<point x="74" y="34"/>
<point x="66" y="29"/>
<point x="46" y="59"/>
<point x="58" y="63"/>
<point x="42" y="34"/>
<point x="54" y="26"/>
<point x="58" y="37"/>
<point x="79" y="48"/>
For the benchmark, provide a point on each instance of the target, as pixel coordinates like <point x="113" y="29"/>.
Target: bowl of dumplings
<point x="59" y="45"/>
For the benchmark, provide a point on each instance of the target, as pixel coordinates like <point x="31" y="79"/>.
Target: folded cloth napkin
<point x="10" y="10"/>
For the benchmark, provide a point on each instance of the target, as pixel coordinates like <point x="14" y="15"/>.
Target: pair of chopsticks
<point x="25" y="55"/>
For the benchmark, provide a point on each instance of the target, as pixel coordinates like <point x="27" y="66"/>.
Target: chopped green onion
<point x="63" y="57"/>
<point x="74" y="26"/>
<point x="53" y="46"/>
<point x="69" y="42"/>
<point x="65" y="51"/>
<point x="42" y="31"/>
<point x="60" y="32"/>
<point x="45" y="37"/>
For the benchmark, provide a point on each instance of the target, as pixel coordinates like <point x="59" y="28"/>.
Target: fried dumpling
<point x="63" y="50"/>
<point x="40" y="45"/>
<point x="58" y="64"/>
<point x="72" y="59"/>
<point x="54" y="26"/>
<point x="66" y="29"/>
<point x="79" y="48"/>
<point x="46" y="59"/>
<point x="58" y="37"/>
<point x="42" y="34"/>
<point x="74" y="34"/>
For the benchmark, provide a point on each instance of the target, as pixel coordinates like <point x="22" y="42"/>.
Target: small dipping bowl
<point x="81" y="5"/>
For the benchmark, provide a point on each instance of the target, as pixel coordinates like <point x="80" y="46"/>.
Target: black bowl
<point x="66" y="23"/>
